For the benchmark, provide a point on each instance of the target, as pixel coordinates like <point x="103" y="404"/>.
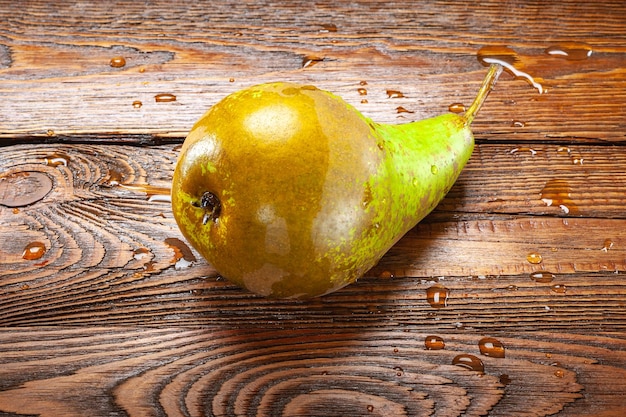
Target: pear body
<point x="290" y="192"/>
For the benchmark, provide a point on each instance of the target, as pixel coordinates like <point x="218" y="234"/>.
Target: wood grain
<point x="201" y="372"/>
<point x="113" y="252"/>
<point x="56" y="81"/>
<point x="106" y="311"/>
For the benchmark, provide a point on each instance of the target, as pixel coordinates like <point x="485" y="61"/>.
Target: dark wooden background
<point x="105" y="311"/>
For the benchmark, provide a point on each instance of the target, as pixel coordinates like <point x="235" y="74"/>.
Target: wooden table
<point x="105" y="311"/>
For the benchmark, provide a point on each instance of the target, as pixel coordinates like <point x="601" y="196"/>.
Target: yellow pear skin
<point x="290" y="192"/>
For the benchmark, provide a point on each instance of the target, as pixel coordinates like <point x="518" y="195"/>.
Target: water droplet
<point x="565" y="149"/>
<point x="572" y="51"/>
<point x="434" y="169"/>
<point x="25" y="287"/>
<point x="517" y="123"/>
<point x="491" y="347"/>
<point x="137" y="104"/>
<point x="164" y="98"/>
<point x="386" y="275"/>
<point x="373" y="309"/>
<point x="362" y="91"/>
<point x="534" y="258"/>
<point x="364" y="101"/>
<point x="310" y="60"/>
<point x="149" y="266"/>
<point x="559" y="373"/>
<point x="142" y="70"/>
<point x="183" y="256"/>
<point x="559" y="193"/>
<point x="16" y="210"/>
<point x="542" y="276"/>
<point x="330" y="27"/>
<point x="608" y="244"/>
<point x="231" y="80"/>
<point x="512" y="288"/>
<point x="456" y="108"/>
<point x="508" y="58"/>
<point x="34" y="250"/>
<point x="367" y="196"/>
<point x="437" y="296"/>
<point x="523" y="149"/>
<point x="117" y="62"/>
<point x="505" y="380"/>
<point x="370" y="408"/>
<point x="363" y="83"/>
<point x="401" y="109"/>
<point x="290" y="91"/>
<point x="488" y="55"/>
<point x="56" y="159"/>
<point x="114" y="177"/>
<point x="152" y="193"/>
<point x="50" y="132"/>
<point x="470" y="362"/>
<point x="434" y="343"/>
<point x="558" y="288"/>
<point x="159" y="198"/>
<point x="394" y="94"/>
<point x="141" y="253"/>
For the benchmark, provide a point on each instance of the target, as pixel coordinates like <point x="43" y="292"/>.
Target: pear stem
<point x="488" y="83"/>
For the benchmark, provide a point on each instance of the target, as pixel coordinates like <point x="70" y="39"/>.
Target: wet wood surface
<point x="509" y="299"/>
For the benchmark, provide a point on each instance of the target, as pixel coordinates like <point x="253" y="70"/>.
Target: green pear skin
<point x="306" y="193"/>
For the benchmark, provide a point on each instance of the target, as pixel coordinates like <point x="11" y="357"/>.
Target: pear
<point x="290" y="192"/>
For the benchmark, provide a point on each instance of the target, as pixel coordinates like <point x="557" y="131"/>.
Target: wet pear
<point x="290" y="192"/>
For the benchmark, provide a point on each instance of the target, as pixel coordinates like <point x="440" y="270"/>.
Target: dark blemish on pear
<point x="211" y="205"/>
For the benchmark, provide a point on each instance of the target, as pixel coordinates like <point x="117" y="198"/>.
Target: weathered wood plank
<point x="56" y="81"/>
<point x="110" y="251"/>
<point x="87" y="241"/>
<point x="358" y="372"/>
